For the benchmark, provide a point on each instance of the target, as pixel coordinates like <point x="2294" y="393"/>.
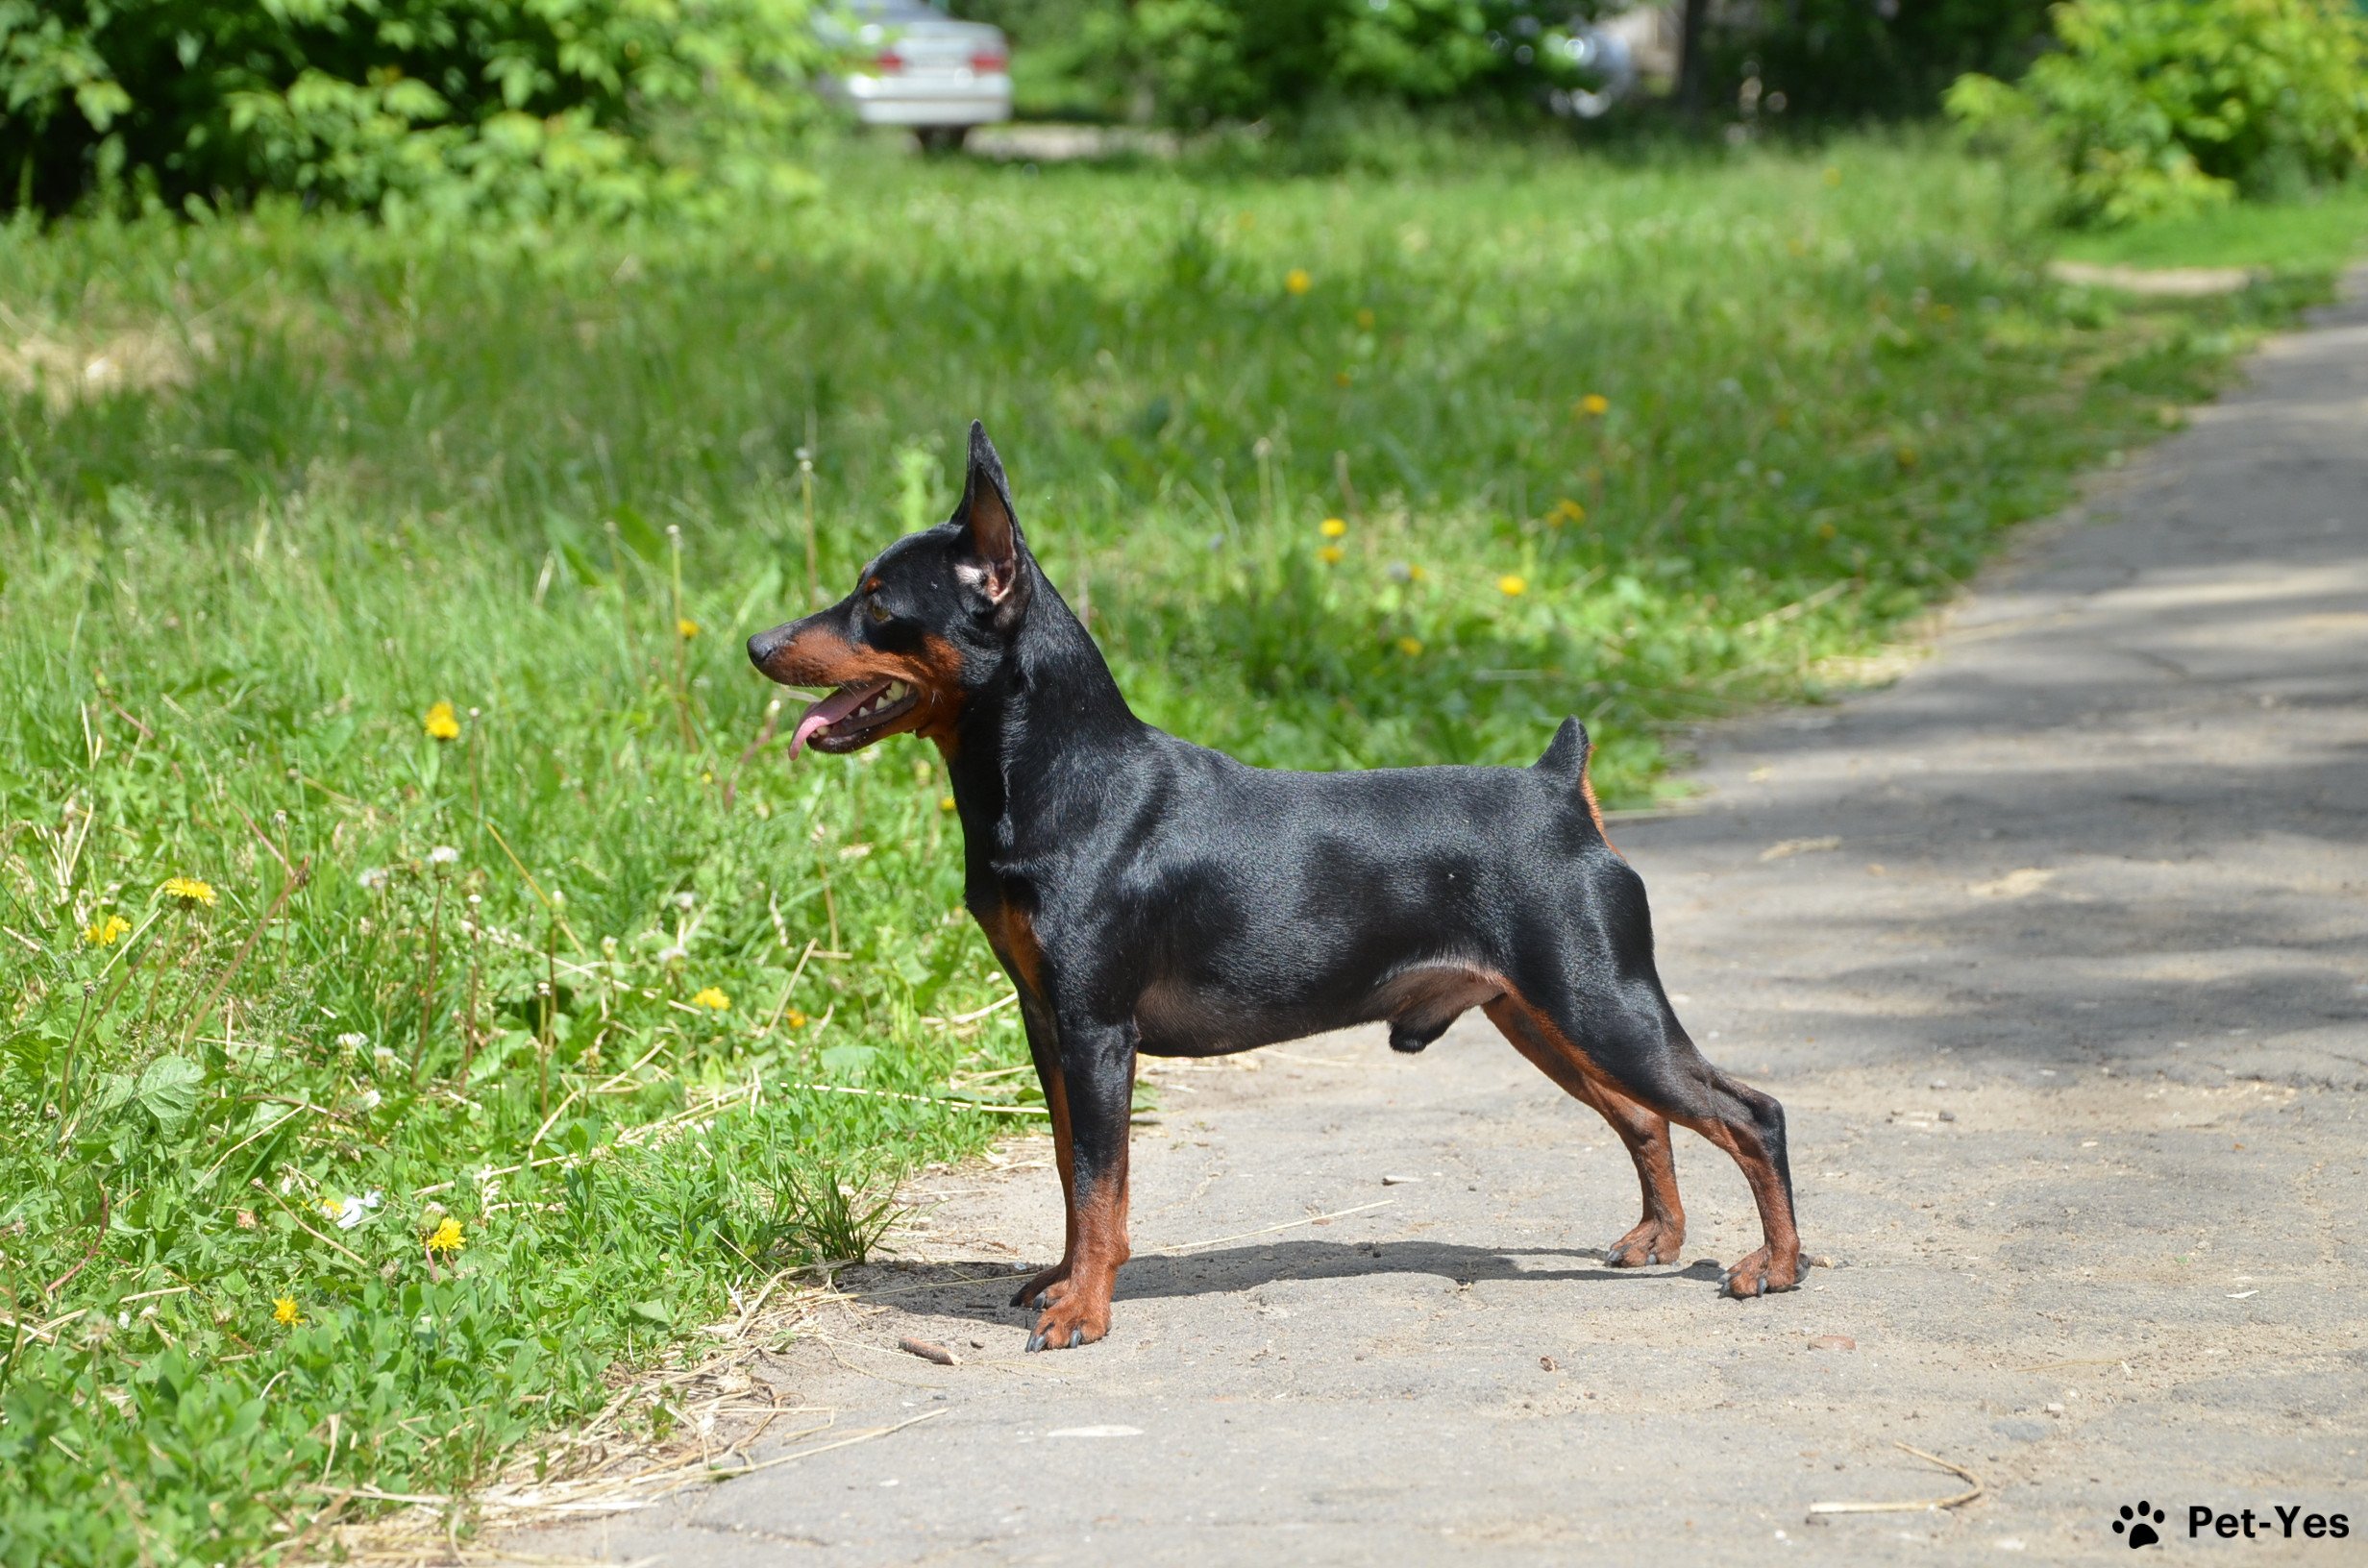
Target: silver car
<point x="918" y="67"/>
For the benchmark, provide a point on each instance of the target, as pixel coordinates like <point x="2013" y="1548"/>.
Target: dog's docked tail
<point x="1566" y="758"/>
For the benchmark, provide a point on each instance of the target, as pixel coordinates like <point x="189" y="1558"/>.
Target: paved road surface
<point x="2055" y="950"/>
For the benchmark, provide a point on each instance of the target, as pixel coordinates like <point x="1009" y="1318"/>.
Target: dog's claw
<point x="1076" y="1337"/>
<point x="1035" y="1343"/>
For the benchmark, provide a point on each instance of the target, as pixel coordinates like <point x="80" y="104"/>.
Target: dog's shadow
<point x="981" y="1289"/>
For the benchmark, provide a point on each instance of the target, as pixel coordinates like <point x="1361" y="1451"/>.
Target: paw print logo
<point x="2138" y="1524"/>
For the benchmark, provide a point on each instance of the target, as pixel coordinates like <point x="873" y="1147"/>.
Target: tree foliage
<point x="521" y="107"/>
<point x="2151" y="107"/>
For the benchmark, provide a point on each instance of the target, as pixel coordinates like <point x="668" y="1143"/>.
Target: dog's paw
<point x="1760" y="1273"/>
<point x="1071" y="1321"/>
<point x="1045" y="1288"/>
<point x="1652" y="1241"/>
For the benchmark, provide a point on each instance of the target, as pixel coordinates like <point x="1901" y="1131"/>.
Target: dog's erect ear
<point x="986" y="517"/>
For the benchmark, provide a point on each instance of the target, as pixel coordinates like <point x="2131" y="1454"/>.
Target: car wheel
<point x="941" y="138"/>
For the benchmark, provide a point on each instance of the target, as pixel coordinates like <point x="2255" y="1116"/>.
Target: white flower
<point x="382" y="1057"/>
<point x="354" y="1043"/>
<point x="685" y="900"/>
<point x="373" y="879"/>
<point x="367" y="1100"/>
<point x="672" y="955"/>
<point x="443" y="854"/>
<point x="353" y="1210"/>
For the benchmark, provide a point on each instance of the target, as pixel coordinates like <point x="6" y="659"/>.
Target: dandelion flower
<point x="1593" y="405"/>
<point x="1365" y="319"/>
<point x="1416" y="572"/>
<point x="713" y="998"/>
<point x="796" y="1020"/>
<point x="350" y="1210"/>
<point x="1332" y="527"/>
<point x="945" y="803"/>
<point x="188" y="891"/>
<point x="1512" y="585"/>
<point x="1832" y="176"/>
<point x="443" y="854"/>
<point x="104" y="933"/>
<point x="1331" y="554"/>
<point x="446" y="1237"/>
<point x="1567" y="510"/>
<point x="441" y="724"/>
<point x="1908" y="455"/>
<point x="1298" y="280"/>
<point x="351" y="1041"/>
<point x="283" y="1311"/>
<point x="373" y="879"/>
<point x="686" y="627"/>
<point x="675" y="954"/>
<point x="1342" y="379"/>
<point x="1410" y="647"/>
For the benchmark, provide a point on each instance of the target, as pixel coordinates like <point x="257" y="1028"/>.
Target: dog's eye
<point x="877" y="611"/>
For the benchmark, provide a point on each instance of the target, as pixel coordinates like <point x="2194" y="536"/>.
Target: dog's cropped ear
<point x="992" y="532"/>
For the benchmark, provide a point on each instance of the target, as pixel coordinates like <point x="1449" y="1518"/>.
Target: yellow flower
<point x="687" y="628"/>
<point x="1832" y="176"/>
<point x="713" y="998"/>
<point x="446" y="1237"/>
<point x="441" y="724"/>
<point x="283" y="1311"/>
<point x="1331" y="554"/>
<point x="1567" y="510"/>
<point x="1410" y="646"/>
<point x="1827" y="530"/>
<point x="1342" y="377"/>
<point x="188" y="891"/>
<point x="1298" y="280"/>
<point x="945" y="803"/>
<point x="1416" y="572"/>
<point x="1332" y="527"/>
<point x="1365" y="319"/>
<point x="103" y="933"/>
<point x="332" y="1208"/>
<point x="1511" y="586"/>
<point x="1593" y="405"/>
<point x="796" y="1020"/>
<point x="1908" y="455"/>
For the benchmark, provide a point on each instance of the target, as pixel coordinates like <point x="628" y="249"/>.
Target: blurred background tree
<point x="517" y="106"/>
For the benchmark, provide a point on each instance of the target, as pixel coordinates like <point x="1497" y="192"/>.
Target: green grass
<point x="324" y="477"/>
<point x="2307" y="237"/>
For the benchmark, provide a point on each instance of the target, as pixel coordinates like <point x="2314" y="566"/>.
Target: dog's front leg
<point x="1045" y="1047"/>
<point x="1097" y="1089"/>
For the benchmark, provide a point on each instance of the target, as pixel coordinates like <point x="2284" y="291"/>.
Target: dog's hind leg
<point x="1634" y="1050"/>
<point x="1656" y="1237"/>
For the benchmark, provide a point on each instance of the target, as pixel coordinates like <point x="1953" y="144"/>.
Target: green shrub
<point x="2158" y="108"/>
<point x="521" y="107"/>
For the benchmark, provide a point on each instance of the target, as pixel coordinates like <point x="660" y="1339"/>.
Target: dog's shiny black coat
<point x="1147" y="894"/>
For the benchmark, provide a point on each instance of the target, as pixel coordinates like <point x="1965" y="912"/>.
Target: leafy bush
<point x="524" y="107"/>
<point x="2158" y="108"/>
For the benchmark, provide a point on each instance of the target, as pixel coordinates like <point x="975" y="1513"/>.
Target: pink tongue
<point x="830" y="710"/>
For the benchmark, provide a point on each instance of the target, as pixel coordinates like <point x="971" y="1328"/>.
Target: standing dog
<point x="1147" y="894"/>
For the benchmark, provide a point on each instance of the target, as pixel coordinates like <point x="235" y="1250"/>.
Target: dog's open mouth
<point x="853" y="715"/>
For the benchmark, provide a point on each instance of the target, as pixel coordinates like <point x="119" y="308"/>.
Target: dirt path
<point x="2055" y="952"/>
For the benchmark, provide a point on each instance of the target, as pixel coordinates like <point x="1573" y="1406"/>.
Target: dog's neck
<point x="1054" y="707"/>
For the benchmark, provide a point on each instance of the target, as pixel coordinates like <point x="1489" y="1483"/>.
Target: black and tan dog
<point x="1147" y="894"/>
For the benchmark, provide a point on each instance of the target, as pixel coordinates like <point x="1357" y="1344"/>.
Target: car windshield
<point x="894" y="11"/>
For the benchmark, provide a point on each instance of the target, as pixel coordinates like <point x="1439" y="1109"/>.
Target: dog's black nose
<point x="765" y="643"/>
